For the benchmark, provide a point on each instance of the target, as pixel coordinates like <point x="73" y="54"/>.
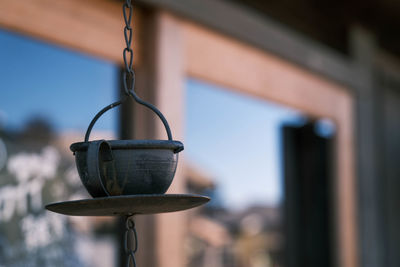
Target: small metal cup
<point x="126" y="167"/>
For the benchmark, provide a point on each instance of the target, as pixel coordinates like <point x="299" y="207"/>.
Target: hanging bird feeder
<point x="127" y="177"/>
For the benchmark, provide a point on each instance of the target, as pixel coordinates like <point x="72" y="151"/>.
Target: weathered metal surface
<point x="126" y="167"/>
<point x="175" y="146"/>
<point x="128" y="205"/>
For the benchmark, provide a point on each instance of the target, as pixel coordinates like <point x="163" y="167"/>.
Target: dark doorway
<point x="308" y="198"/>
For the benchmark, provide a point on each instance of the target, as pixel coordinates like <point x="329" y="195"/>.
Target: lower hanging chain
<point x="131" y="242"/>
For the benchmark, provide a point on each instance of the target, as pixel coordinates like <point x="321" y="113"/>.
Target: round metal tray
<point x="128" y="205"/>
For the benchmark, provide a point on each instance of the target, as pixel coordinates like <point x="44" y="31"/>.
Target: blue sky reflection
<point x="63" y="86"/>
<point x="237" y="139"/>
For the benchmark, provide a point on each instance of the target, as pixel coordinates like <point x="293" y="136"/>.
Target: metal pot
<point x="127" y="167"/>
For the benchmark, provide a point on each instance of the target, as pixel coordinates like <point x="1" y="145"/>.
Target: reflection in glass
<point x="233" y="149"/>
<point x="47" y="98"/>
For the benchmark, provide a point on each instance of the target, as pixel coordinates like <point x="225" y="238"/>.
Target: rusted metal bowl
<point x="126" y="167"/>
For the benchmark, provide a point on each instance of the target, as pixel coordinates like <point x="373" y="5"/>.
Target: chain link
<point x="130" y="242"/>
<point x="129" y="75"/>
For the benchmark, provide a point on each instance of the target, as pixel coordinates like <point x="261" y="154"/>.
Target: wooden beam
<point x="257" y="30"/>
<point x="237" y="66"/>
<point x="346" y="192"/>
<point x="170" y="96"/>
<point x="90" y="26"/>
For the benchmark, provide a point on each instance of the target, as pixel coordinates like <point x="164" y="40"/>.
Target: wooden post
<point x="160" y="80"/>
<point x="170" y="93"/>
<point x="370" y="237"/>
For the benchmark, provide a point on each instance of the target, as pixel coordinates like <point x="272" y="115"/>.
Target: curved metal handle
<point x="98" y="115"/>
<point x="138" y="100"/>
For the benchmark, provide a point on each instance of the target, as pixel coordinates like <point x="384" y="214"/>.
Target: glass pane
<point x="48" y="96"/>
<point x="233" y="151"/>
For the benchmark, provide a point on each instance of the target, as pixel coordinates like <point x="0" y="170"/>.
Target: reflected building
<point x="223" y="237"/>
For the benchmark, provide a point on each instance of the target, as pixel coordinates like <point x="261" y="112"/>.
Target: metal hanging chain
<point x="130" y="241"/>
<point x="129" y="75"/>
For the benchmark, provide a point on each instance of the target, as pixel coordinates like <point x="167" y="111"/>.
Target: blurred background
<point x="288" y="110"/>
